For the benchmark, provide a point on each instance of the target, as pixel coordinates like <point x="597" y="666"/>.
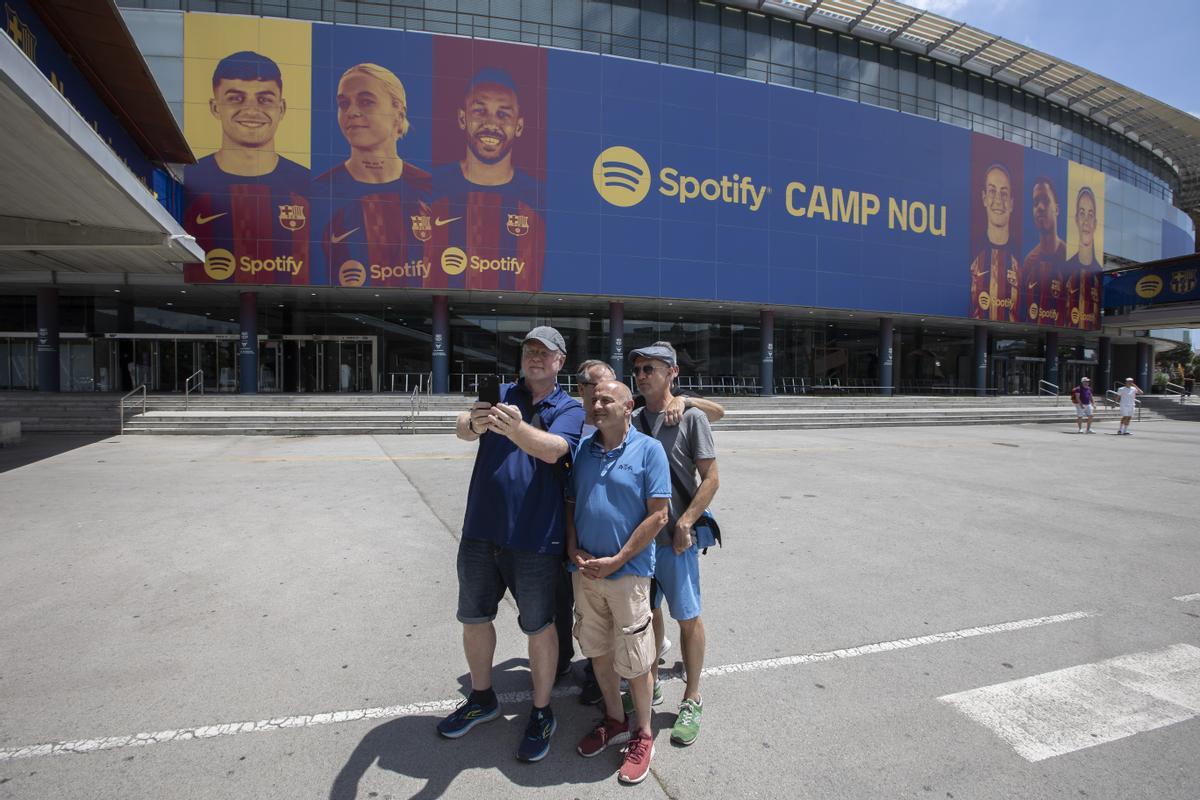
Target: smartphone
<point x="489" y="389"/>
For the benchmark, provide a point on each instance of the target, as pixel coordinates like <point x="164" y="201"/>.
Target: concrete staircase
<point x="301" y="415"/>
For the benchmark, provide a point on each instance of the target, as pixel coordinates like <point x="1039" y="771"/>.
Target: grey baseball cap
<point x="549" y="337"/>
<point x="665" y="354"/>
<point x="1085" y="380"/>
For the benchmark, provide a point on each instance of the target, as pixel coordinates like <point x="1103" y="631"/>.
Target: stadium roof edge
<point x="94" y="33"/>
<point x="1166" y="131"/>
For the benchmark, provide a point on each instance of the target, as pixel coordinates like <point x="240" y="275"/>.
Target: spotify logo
<point x="352" y="273"/>
<point x="1149" y="287"/>
<point x="454" y="261"/>
<point x="218" y="264"/>
<point x="621" y="176"/>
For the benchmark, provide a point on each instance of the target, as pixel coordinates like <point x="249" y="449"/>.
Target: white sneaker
<point x="662" y="651"/>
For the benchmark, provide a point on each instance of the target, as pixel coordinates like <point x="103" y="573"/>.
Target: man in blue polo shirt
<point x="513" y="534"/>
<point x="621" y="486"/>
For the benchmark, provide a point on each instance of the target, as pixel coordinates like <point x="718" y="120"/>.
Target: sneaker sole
<point x="684" y="742"/>
<point x="544" y="753"/>
<point x="467" y="728"/>
<point x="620" y="738"/>
<point x="634" y="781"/>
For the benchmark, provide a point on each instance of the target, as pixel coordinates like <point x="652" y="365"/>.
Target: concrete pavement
<point x="165" y="590"/>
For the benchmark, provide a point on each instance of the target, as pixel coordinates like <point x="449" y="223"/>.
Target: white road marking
<point x="1067" y="710"/>
<point x="899" y="644"/>
<point x="444" y="706"/>
<point x="1187" y="598"/>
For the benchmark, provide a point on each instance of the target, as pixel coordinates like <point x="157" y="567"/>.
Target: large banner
<point x="359" y="157"/>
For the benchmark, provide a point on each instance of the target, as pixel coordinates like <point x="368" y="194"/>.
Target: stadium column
<point x="886" y="339"/>
<point x="1144" y="357"/>
<point x="1105" y="363"/>
<point x="47" y="340"/>
<point x="766" y="327"/>
<point x="616" y="338"/>
<point x="248" y="346"/>
<point x="981" y="362"/>
<point x="441" y="344"/>
<point x="1051" y="357"/>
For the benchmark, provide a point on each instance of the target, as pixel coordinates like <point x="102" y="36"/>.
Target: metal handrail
<point x="414" y="408"/>
<point x="1177" y="388"/>
<point x="1046" y="387"/>
<point x="121" y="405"/>
<point x="187" y="386"/>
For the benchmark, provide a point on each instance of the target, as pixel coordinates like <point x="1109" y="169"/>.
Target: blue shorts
<point x="486" y="571"/>
<point x="678" y="580"/>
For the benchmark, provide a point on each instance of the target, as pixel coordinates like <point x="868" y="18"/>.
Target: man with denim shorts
<point x="513" y="536"/>
<point x="690" y="450"/>
<point x="621" y="486"/>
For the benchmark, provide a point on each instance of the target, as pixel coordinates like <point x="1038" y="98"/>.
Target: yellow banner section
<point x="1085" y="212"/>
<point x="260" y="46"/>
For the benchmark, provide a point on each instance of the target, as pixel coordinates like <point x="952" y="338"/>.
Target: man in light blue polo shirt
<point x="513" y="535"/>
<point x="621" y="486"/>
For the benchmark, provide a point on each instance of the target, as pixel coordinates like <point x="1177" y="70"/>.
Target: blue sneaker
<point x="536" y="743"/>
<point x="467" y="716"/>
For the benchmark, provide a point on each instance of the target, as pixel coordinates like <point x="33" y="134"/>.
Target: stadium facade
<point x="388" y="194"/>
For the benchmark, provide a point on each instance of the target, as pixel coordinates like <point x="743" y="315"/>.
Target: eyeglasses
<point x="644" y="369"/>
<point x="589" y="384"/>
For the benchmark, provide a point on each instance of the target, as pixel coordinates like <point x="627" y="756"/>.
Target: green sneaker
<point x="655" y="700"/>
<point x="687" y="724"/>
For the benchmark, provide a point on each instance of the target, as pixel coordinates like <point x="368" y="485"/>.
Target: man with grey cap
<point x="690" y="451"/>
<point x="513" y="535"/>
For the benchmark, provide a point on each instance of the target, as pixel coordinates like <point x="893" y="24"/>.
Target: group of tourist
<point x="610" y="492"/>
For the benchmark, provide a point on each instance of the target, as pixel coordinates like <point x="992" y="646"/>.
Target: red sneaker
<point x="607" y="731"/>
<point x="638" y="753"/>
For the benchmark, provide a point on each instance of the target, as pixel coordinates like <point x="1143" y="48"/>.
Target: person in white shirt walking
<point x="1128" y="393"/>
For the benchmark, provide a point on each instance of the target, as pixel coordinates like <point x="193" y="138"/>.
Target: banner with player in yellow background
<point x="247" y="116"/>
<point x="1085" y="245"/>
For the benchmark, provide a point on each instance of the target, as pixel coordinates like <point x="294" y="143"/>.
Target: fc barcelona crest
<point x="292" y="217"/>
<point x="1182" y="282"/>
<point x="518" y="224"/>
<point x="422" y="227"/>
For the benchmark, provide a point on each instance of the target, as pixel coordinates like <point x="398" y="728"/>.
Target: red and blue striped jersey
<point x="486" y="237"/>
<point x="377" y="232"/>
<point x="996" y="285"/>
<point x="1046" y="285"/>
<point x="254" y="229"/>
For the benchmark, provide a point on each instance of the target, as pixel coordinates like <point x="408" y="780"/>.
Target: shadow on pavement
<point x="411" y="746"/>
<point x="35" y="447"/>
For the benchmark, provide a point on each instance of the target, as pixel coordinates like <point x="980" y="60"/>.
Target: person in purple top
<point x="1085" y="406"/>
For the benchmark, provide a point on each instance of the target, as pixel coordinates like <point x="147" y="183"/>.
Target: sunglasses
<point x="644" y="369"/>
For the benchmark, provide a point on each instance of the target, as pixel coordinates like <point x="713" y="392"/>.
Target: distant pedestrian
<point x="1085" y="405"/>
<point x="514" y="533"/>
<point x="1128" y="393"/>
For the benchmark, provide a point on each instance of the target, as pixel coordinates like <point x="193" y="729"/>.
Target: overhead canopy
<point x="67" y="201"/>
<point x="1168" y="132"/>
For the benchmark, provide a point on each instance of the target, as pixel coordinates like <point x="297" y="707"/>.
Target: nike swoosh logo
<point x="440" y="222"/>
<point x="203" y="220"/>
<point x="341" y="237"/>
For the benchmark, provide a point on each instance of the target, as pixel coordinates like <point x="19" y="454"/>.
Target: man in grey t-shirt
<point x="690" y="451"/>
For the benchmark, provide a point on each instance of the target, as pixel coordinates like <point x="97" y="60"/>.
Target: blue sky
<point x="1148" y="45"/>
